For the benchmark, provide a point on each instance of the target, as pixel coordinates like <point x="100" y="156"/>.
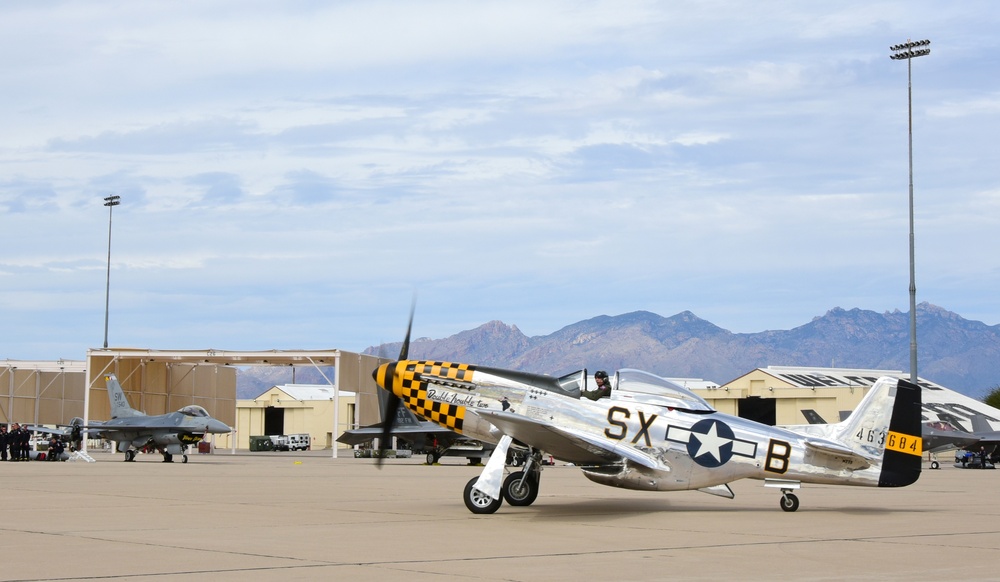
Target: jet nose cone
<point x="218" y="427"/>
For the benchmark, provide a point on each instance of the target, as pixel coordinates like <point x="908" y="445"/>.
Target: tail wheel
<point x="789" y="502"/>
<point x="518" y="491"/>
<point x="479" y="502"/>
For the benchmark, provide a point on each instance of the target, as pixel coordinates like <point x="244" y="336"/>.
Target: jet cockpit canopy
<point x="194" y="410"/>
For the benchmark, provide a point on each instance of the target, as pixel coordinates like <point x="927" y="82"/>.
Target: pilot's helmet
<point x="601" y="374"/>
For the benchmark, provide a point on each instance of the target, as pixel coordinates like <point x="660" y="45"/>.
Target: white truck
<point x="291" y="442"/>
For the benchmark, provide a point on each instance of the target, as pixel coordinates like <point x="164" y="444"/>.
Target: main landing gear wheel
<point x="935" y="465"/>
<point x="518" y="491"/>
<point x="168" y="458"/>
<point x="431" y="459"/>
<point x="479" y="502"/>
<point x="789" y="502"/>
<point x="129" y="456"/>
<point x="185" y="459"/>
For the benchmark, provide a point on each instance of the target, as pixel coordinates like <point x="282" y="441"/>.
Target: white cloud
<point x="303" y="162"/>
<point x="977" y="108"/>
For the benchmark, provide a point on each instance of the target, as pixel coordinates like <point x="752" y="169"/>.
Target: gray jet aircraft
<point x="168" y="433"/>
<point x="423" y="437"/>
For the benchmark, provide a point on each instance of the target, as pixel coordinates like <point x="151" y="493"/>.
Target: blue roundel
<point x="711" y="443"/>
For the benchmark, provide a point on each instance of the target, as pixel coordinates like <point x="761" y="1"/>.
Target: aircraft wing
<point x="565" y="443"/>
<point x="838" y="450"/>
<point x="109" y="431"/>
<point x="357" y="436"/>
<point x="46" y="430"/>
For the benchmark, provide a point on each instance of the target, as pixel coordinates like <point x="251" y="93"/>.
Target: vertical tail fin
<point x="886" y="425"/>
<point x="403" y="416"/>
<point x="119" y="404"/>
<point x="903" y="446"/>
<point x="980" y="424"/>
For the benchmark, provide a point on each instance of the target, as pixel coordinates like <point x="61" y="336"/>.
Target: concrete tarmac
<point x="305" y="516"/>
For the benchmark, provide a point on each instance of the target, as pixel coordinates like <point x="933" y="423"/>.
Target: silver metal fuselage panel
<point x="690" y="449"/>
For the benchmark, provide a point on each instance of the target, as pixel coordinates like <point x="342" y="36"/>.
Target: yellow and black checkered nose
<point x="383" y="375"/>
<point x="404" y="379"/>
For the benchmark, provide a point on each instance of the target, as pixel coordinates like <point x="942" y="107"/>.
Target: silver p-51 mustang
<point x="651" y="434"/>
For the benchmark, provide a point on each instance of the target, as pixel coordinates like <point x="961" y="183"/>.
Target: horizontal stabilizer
<point x="357" y="436"/>
<point x="838" y="450"/>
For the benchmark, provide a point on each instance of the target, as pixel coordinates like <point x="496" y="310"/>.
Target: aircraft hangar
<point x="41" y="392"/>
<point x="788" y="395"/>
<point x="161" y="381"/>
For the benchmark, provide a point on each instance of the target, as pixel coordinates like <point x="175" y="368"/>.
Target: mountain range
<point x="961" y="354"/>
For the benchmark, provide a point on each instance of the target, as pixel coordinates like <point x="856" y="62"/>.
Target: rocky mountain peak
<point x="955" y="352"/>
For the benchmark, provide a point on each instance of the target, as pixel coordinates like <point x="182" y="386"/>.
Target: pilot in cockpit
<point x="603" y="389"/>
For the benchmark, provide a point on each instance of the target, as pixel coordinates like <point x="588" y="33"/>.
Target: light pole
<point x="110" y="202"/>
<point x="908" y="51"/>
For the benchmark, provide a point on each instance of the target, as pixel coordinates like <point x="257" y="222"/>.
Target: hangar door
<point x="274" y="420"/>
<point x="758" y="409"/>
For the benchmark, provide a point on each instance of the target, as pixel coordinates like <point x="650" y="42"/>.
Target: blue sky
<point x="291" y="173"/>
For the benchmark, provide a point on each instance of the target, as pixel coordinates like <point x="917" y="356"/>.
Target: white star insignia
<point x="711" y="442"/>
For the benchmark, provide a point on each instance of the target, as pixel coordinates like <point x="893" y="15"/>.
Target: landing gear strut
<point x="789" y="502"/>
<point x="479" y="502"/>
<point x="519" y="489"/>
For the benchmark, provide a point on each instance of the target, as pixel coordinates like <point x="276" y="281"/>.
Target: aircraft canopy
<point x="194" y="410"/>
<point x="665" y="392"/>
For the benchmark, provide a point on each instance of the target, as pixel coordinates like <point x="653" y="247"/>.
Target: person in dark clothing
<point x="14" y="442"/>
<point x="53" y="451"/>
<point x="76" y="438"/>
<point x="3" y="442"/>
<point x="25" y="442"/>
<point x="603" y="389"/>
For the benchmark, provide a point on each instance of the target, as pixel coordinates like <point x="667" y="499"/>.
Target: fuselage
<point x="692" y="448"/>
<point x="173" y="428"/>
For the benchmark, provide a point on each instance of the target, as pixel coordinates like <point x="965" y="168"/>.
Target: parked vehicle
<point x="971" y="460"/>
<point x="291" y="442"/>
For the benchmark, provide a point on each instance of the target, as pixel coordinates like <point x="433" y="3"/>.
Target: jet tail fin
<point x="404" y="418"/>
<point x="980" y="424"/>
<point x="119" y="403"/>
<point x="886" y="425"/>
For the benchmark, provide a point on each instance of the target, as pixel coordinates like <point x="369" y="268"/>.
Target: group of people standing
<point x="16" y="440"/>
